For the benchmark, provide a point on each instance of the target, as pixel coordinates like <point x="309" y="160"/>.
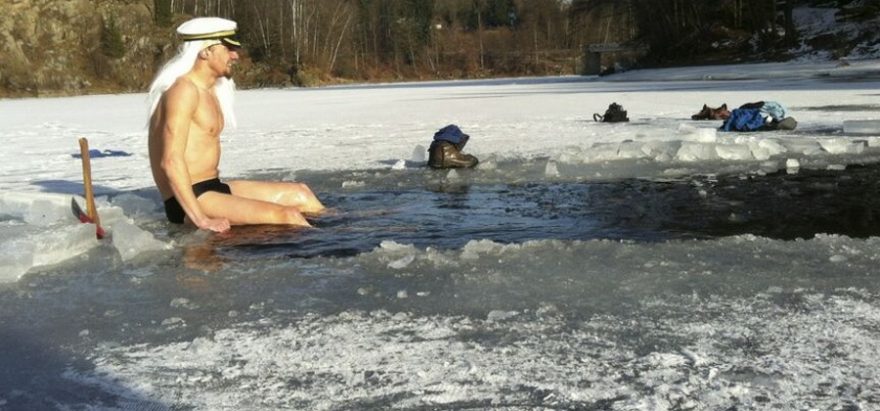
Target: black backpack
<point x="614" y="114"/>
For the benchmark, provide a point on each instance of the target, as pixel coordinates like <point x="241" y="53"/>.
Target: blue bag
<point x="452" y="134"/>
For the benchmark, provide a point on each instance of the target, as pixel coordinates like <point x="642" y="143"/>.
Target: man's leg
<point x="245" y="211"/>
<point x="296" y="195"/>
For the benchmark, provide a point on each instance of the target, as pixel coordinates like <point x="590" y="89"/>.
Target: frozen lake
<point x="658" y="264"/>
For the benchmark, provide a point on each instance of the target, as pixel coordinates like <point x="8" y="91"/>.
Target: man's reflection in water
<point x="202" y="251"/>
<point x="202" y="257"/>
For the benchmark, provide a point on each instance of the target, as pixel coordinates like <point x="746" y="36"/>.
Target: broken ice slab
<point x="137" y="205"/>
<point x="691" y="152"/>
<point x="550" y="170"/>
<point x="36" y="207"/>
<point x="130" y="240"/>
<point x="738" y="152"/>
<point x="418" y="155"/>
<point x="699" y="134"/>
<point x="807" y="147"/>
<point x="24" y="246"/>
<point x="842" y="145"/>
<point x="861" y="127"/>
<point x="630" y="149"/>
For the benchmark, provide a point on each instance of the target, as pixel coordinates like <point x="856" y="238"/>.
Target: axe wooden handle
<point x="87" y="181"/>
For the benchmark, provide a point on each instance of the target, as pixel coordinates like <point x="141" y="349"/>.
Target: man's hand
<point x="217" y="225"/>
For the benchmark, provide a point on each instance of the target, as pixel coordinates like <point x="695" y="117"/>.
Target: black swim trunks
<point x="175" y="212"/>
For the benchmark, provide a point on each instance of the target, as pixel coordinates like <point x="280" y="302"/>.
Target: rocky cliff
<point x="51" y="47"/>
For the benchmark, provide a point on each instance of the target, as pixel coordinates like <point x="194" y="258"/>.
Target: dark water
<point x="778" y="206"/>
<point x="55" y="319"/>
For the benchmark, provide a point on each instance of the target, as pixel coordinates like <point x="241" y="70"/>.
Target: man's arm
<point x="179" y="107"/>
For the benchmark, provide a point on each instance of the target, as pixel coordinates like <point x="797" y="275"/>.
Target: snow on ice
<point x="166" y="320"/>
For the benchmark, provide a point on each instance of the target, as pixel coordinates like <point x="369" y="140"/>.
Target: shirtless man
<point x="191" y="102"/>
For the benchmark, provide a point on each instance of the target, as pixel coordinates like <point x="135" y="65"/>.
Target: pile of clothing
<point x="445" y="150"/>
<point x="759" y="116"/>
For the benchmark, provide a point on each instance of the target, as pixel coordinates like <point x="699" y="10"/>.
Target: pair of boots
<point x="788" y="123"/>
<point x="443" y="154"/>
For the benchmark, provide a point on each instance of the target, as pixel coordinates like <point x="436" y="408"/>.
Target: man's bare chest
<point x="208" y="117"/>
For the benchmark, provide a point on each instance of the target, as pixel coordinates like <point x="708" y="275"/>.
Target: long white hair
<point x="181" y="64"/>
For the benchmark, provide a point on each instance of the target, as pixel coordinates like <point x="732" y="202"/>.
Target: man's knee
<point x="290" y="215"/>
<point x="302" y="187"/>
<point x="303" y="198"/>
<point x="302" y="192"/>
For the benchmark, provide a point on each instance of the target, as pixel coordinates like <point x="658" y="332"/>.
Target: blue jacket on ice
<point x="744" y="119"/>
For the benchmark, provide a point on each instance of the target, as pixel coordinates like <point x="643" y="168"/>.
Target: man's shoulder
<point x="182" y="84"/>
<point x="183" y="89"/>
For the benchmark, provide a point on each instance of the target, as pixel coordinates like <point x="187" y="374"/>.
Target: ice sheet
<point x="158" y="318"/>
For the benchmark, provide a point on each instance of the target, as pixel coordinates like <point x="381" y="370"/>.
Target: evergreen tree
<point x="422" y="13"/>
<point x="111" y="39"/>
<point x="162" y="12"/>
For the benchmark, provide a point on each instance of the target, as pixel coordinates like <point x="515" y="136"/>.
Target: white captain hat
<point x="210" y="28"/>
